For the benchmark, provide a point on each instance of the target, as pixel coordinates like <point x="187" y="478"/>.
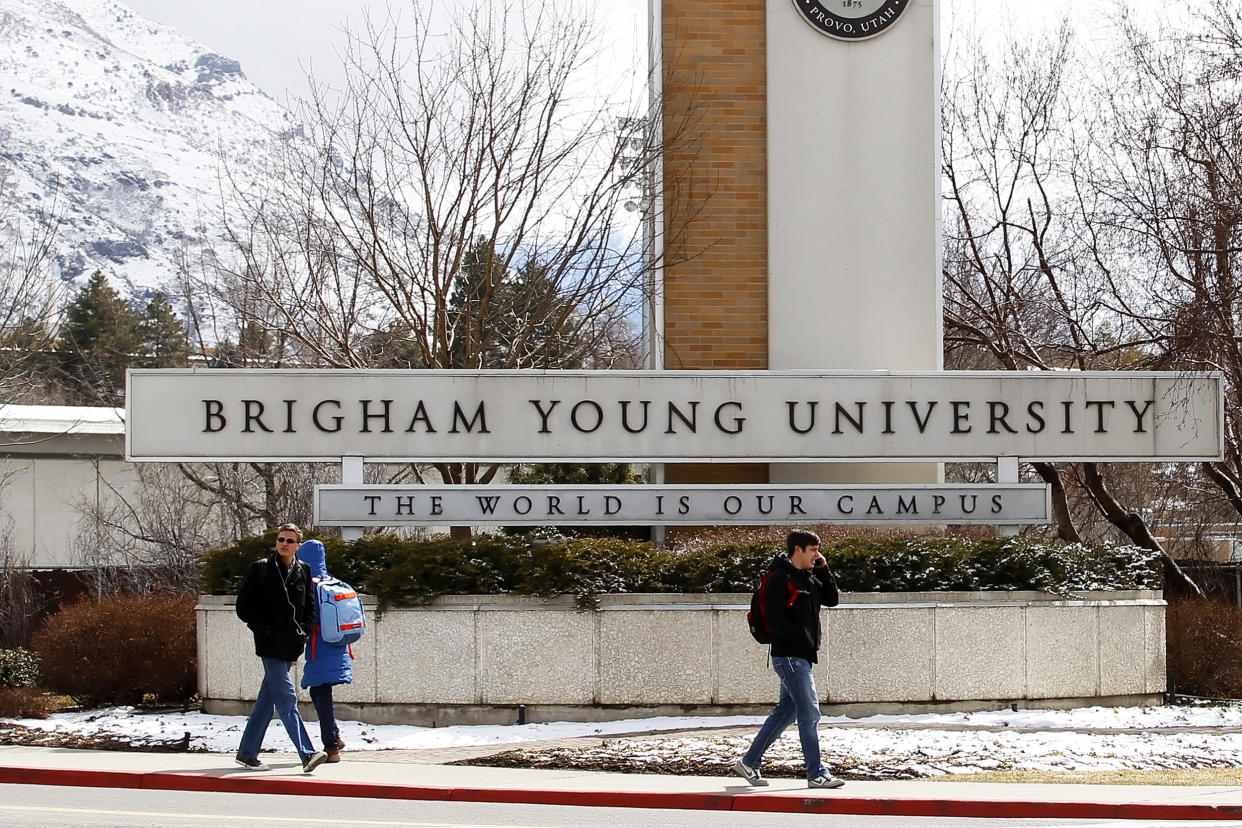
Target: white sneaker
<point x="825" y="781"/>
<point x="313" y="761"/>
<point x="751" y="775"/>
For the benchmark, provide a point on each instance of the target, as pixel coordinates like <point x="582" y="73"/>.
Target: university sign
<point x="669" y="416"/>
<point x="687" y="505"/>
<point x="851" y="19"/>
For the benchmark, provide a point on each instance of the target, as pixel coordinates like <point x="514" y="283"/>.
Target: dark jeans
<point x="799" y="702"/>
<point x="321" y="697"/>
<point x="276" y="692"/>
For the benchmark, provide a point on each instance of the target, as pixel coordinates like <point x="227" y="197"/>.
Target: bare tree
<point x="30" y="293"/>
<point x="455" y="195"/>
<point x="153" y="534"/>
<point x="260" y="495"/>
<point x="1170" y="185"/>
<point x="1026" y="283"/>
<point x="21" y="602"/>
<point x="1005" y="236"/>
<point x="460" y="203"/>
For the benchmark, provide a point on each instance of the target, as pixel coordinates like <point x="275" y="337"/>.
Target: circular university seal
<point x="851" y="19"/>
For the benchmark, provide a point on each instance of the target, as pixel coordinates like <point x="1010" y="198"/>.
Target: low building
<point x="58" y="465"/>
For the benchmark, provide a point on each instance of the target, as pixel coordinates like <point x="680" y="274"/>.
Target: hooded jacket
<point x="278" y="606"/>
<point x="792" y="600"/>
<point x="325" y="663"/>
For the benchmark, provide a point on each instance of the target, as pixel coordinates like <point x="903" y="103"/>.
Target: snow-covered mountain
<point x="118" y="126"/>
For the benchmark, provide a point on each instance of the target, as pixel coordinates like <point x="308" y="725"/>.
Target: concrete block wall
<point x="476" y="659"/>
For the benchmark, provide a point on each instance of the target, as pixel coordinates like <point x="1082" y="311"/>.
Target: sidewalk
<point x="400" y="775"/>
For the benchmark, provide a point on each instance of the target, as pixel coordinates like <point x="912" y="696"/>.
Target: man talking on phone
<point x="799" y="584"/>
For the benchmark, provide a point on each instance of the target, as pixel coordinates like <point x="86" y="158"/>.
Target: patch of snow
<point x="881" y="745"/>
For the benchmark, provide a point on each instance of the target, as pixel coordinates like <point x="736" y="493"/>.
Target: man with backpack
<point x="796" y="585"/>
<point x="277" y="603"/>
<point x="328" y="660"/>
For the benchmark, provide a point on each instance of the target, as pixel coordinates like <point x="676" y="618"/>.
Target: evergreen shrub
<point x="18" y="668"/>
<point x="120" y="649"/>
<point x="223" y="573"/>
<point x="402" y="572"/>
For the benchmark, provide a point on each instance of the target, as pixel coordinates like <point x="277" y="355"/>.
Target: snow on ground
<point x="222" y="733"/>
<point x="876" y="747"/>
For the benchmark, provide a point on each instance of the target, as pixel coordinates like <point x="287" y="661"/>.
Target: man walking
<point x="799" y="584"/>
<point x="277" y="603"/>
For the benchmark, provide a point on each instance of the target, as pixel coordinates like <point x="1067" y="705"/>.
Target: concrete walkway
<point x="420" y="775"/>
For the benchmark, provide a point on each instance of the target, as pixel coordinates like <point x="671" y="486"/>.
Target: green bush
<point x="18" y="668"/>
<point x="224" y="569"/>
<point x="401" y="572"/>
<point x="120" y="650"/>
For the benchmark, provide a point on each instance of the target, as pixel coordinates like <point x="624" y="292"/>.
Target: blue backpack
<point x="338" y="612"/>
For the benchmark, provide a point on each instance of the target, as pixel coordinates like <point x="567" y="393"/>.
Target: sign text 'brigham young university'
<point x="687" y="505"/>
<point x="669" y="416"/>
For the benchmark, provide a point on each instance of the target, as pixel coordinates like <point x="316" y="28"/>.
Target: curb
<point x="690" y="800"/>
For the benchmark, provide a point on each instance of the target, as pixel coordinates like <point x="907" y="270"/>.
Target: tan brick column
<point x="715" y="170"/>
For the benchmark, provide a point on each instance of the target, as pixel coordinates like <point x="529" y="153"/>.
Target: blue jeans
<point x="321" y="697"/>
<point x="798" y="701"/>
<point x="275" y="691"/>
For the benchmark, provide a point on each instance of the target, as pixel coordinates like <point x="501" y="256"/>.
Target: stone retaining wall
<point x="495" y="658"/>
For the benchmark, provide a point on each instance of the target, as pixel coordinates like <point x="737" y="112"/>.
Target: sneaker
<point x="313" y="761"/>
<point x="750" y="774"/>
<point x="250" y="762"/>
<point x="334" y="756"/>
<point x="825" y="781"/>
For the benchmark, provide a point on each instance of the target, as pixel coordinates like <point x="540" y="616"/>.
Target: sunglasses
<point x="287" y="540"/>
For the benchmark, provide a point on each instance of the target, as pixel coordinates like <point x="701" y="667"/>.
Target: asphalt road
<point x="42" y="806"/>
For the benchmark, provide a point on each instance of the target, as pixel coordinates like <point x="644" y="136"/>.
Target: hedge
<point x="402" y="572"/>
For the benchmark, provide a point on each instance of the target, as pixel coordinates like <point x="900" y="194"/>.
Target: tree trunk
<point x="1134" y="527"/>
<point x="1228" y="485"/>
<point x="1066" y="530"/>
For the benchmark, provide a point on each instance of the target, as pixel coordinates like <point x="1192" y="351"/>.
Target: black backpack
<point x="756" y="617"/>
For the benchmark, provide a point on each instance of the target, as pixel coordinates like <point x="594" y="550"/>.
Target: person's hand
<point x="820" y="561"/>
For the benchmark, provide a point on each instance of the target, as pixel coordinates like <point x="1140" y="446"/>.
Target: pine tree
<point x="472" y="307"/>
<point x="98" y="341"/>
<point x="255" y="348"/>
<point x="164" y="343"/>
<point x="28" y="370"/>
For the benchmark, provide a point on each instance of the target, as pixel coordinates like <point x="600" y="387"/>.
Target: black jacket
<point x="792" y="600"/>
<point x="278" y="606"/>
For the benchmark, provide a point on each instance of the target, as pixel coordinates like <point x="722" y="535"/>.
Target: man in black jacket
<point x="277" y="603"/>
<point x="799" y="585"/>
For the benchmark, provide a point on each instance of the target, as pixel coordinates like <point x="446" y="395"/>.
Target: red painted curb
<point x="226" y="782"/>
<point x="69" y="778"/>
<point x="683" y="801"/>
<point x="305" y="786"/>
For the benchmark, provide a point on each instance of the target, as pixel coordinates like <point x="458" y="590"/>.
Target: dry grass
<point x="1230" y="777"/>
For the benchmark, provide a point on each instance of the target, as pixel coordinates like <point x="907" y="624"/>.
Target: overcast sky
<point x="277" y="40"/>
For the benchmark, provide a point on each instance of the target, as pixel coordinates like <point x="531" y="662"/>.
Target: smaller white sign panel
<point x="642" y="505"/>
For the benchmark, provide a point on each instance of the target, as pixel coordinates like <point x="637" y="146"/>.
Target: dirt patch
<point x="1229" y="777"/>
<point x="14" y="734"/>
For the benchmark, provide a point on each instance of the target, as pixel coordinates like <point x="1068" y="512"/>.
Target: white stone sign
<point x="669" y="416"/>
<point x="686" y="505"/>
